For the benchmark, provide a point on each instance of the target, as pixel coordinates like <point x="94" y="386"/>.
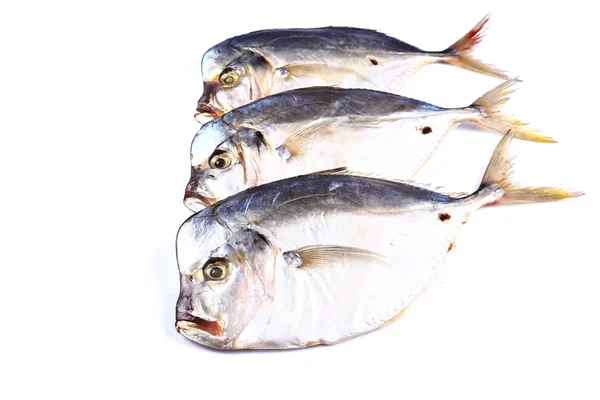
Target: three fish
<point x="295" y="243"/>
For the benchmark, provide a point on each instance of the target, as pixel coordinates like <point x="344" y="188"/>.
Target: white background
<point x="96" y="109"/>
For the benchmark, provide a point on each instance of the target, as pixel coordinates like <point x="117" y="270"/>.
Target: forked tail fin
<point x="460" y="52"/>
<point x="489" y="106"/>
<point x="498" y="174"/>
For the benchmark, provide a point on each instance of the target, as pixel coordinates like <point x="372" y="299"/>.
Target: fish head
<point x="232" y="79"/>
<point x="225" y="160"/>
<point x="225" y="277"/>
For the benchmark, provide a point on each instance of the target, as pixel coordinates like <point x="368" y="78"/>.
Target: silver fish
<point x="315" y="129"/>
<point x="322" y="258"/>
<point x="258" y="64"/>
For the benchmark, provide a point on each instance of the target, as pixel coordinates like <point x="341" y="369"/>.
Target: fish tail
<point x="497" y="177"/>
<point x="489" y="106"/>
<point x="460" y="52"/>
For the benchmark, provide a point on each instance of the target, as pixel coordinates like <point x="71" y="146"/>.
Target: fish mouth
<point x="206" y="110"/>
<point x="197" y="202"/>
<point x="213" y="328"/>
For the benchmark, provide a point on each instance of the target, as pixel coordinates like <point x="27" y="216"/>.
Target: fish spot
<point x="444" y="217"/>
<point x="451" y="246"/>
<point x="373" y="61"/>
<point x="426" y="130"/>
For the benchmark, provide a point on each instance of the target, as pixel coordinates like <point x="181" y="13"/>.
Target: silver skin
<point x="263" y="63"/>
<point x="318" y="259"/>
<point x="314" y="129"/>
<point x="272" y="300"/>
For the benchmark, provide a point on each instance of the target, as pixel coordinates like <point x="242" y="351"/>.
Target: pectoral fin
<point x="297" y="143"/>
<point x="324" y="72"/>
<point x="327" y="256"/>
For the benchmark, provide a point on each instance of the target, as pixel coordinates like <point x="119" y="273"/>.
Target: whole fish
<point x="314" y="129"/>
<point x="318" y="259"/>
<point x="245" y="68"/>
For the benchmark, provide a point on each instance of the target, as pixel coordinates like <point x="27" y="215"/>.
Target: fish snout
<point x="205" y="111"/>
<point x="188" y="322"/>
<point x="196" y="201"/>
<point x="187" y="319"/>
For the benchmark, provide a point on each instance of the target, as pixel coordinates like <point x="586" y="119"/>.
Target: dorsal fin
<point x="343" y="171"/>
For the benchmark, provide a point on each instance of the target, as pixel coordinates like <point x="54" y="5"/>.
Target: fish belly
<point x="392" y="73"/>
<point x="393" y="149"/>
<point x="389" y="73"/>
<point x="329" y="303"/>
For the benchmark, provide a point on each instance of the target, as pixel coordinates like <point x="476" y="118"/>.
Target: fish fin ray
<point x="460" y="52"/>
<point x="489" y="106"/>
<point x="317" y="256"/>
<point x="498" y="173"/>
<point x="320" y="69"/>
<point x="297" y="143"/>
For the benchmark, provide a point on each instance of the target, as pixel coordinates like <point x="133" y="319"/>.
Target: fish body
<point x="248" y="67"/>
<point x="321" y="258"/>
<point x="313" y="129"/>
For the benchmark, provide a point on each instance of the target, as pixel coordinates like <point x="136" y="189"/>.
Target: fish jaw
<point x="196" y="202"/>
<point x="206" y="112"/>
<point x="208" y="187"/>
<point x="203" y="331"/>
<point x="196" y="198"/>
<point x="214" y="328"/>
<point x="193" y="321"/>
<point x="207" y="109"/>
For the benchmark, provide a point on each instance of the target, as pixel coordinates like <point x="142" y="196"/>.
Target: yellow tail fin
<point x="490" y="104"/>
<point x="460" y="52"/>
<point x="498" y="173"/>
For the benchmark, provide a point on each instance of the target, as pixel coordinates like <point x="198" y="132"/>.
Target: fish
<point x="321" y="258"/>
<point x="313" y="129"/>
<point x="245" y="68"/>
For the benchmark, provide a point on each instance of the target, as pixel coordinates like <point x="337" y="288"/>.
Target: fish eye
<point x="220" y="161"/>
<point x="216" y="270"/>
<point x="229" y="77"/>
